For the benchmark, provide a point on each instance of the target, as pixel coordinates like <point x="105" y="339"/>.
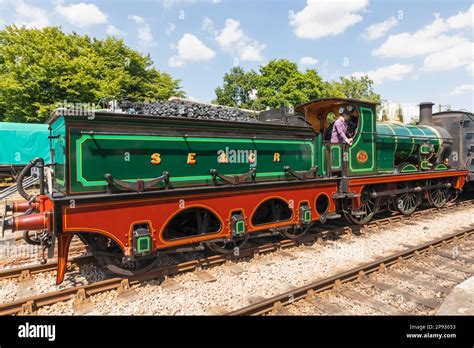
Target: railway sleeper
<point x="364" y="300"/>
<point x="450" y="263"/>
<point x="430" y="303"/>
<point x="442" y="275"/>
<point x="419" y="282"/>
<point x="454" y="256"/>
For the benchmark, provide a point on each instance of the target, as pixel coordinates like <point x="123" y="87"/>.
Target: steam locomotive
<point x="134" y="187"/>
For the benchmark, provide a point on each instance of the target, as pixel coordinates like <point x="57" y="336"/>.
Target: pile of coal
<point x="189" y="109"/>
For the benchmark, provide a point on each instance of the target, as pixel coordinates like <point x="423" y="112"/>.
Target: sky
<point x="414" y="50"/>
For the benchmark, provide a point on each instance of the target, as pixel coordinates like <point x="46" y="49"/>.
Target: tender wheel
<point x="407" y="202"/>
<point x="109" y="255"/>
<point x="369" y="206"/>
<point x="438" y="197"/>
<point x="228" y="246"/>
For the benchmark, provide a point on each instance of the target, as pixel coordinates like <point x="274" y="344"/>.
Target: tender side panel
<point x="188" y="160"/>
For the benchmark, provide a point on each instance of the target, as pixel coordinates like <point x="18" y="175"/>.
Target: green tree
<point x="355" y="88"/>
<point x="237" y="90"/>
<point x="40" y="68"/>
<point x="281" y="83"/>
<point x="277" y="83"/>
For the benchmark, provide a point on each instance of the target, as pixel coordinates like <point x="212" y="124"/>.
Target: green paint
<point x="307" y="216"/>
<point x="425" y="165"/>
<point x="58" y="142"/>
<point x="364" y="141"/>
<point x="143" y="244"/>
<point x="397" y="143"/>
<point x="441" y="166"/>
<point x="425" y="149"/>
<point x="322" y="159"/>
<point x="409" y="168"/>
<point x="386" y="147"/>
<point x="336" y="157"/>
<point x="96" y="155"/>
<point x="239" y="227"/>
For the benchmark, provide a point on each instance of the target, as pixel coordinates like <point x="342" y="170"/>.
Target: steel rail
<point x="277" y="302"/>
<point x="26" y="271"/>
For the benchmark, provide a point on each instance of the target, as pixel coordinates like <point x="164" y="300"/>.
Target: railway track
<point x="26" y="272"/>
<point x="30" y="254"/>
<point x="81" y="293"/>
<point x="337" y="284"/>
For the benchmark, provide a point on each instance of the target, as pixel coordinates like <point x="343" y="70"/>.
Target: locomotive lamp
<point x="305" y="215"/>
<point x="141" y="242"/>
<point x="237" y="225"/>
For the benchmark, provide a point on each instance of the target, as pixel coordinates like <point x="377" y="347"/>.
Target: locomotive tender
<point x="134" y="187"/>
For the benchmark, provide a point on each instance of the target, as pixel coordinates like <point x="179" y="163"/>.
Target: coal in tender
<point x="190" y="109"/>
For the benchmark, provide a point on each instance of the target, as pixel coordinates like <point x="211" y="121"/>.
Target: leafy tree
<point x="279" y="83"/>
<point x="355" y="88"/>
<point x="238" y="89"/>
<point x="276" y="84"/>
<point x="41" y="67"/>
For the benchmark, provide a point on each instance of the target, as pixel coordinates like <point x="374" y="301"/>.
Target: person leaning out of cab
<point x="340" y="132"/>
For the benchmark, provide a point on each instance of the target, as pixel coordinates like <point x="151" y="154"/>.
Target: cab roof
<point x="325" y="102"/>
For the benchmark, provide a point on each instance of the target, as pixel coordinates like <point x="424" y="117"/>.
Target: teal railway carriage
<point x="135" y="187"/>
<point x="20" y="143"/>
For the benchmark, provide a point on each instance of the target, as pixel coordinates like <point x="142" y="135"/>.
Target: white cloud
<point x="190" y="49"/>
<point x="308" y="61"/>
<point x="208" y="26"/>
<point x="451" y="58"/>
<point x="81" y="15"/>
<point x="320" y="18"/>
<point x="466" y="88"/>
<point x="378" y="30"/>
<point x="424" y="41"/>
<point x="145" y="37"/>
<point x="170" y="28"/>
<point x="462" y="19"/>
<point x="232" y="39"/>
<point x="114" y="31"/>
<point x="137" y="19"/>
<point x="394" y="72"/>
<point x="433" y="37"/>
<point x="470" y="68"/>
<point x="30" y="16"/>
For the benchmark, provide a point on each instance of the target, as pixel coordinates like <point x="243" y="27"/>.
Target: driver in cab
<point x="339" y="132"/>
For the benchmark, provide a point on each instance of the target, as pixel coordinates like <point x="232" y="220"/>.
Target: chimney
<point x="426" y="113"/>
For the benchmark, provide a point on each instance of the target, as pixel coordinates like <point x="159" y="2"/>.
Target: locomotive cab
<point x="321" y="115"/>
